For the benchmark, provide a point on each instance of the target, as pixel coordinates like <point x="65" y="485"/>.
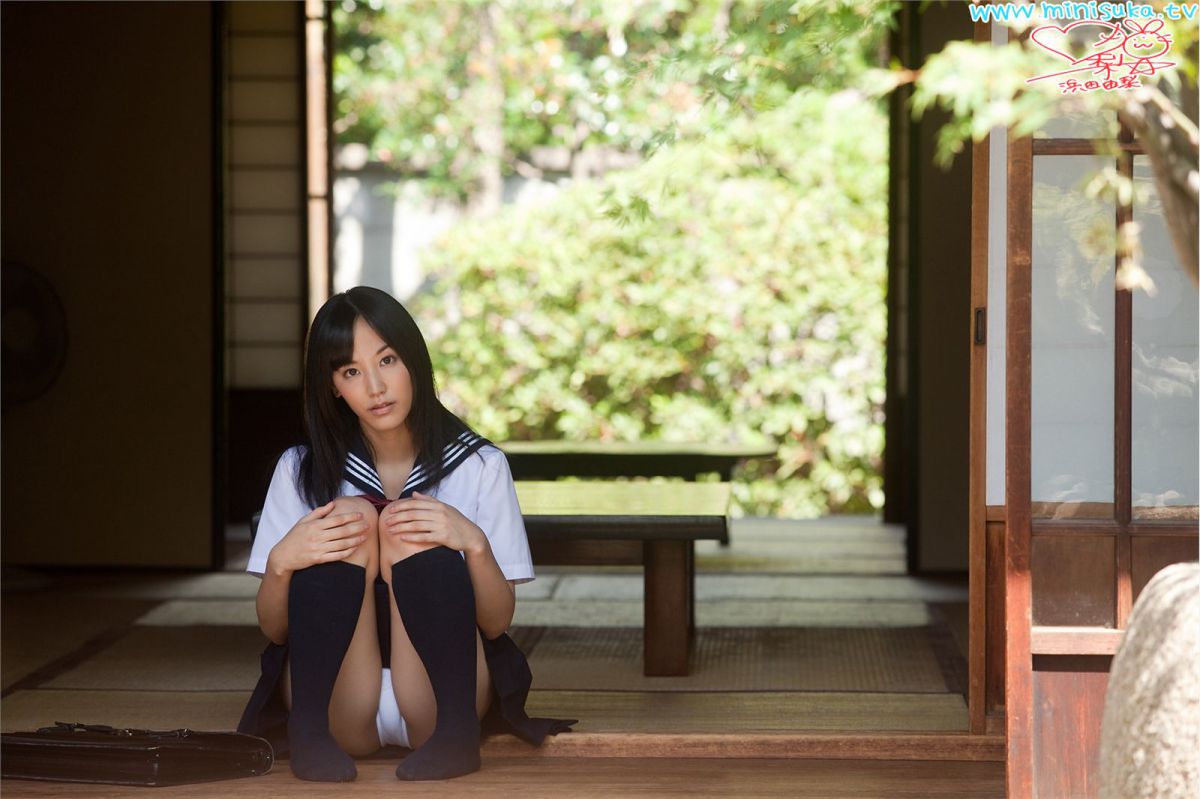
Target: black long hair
<point x="329" y="424"/>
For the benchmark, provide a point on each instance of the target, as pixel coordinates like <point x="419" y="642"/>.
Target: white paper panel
<point x="1166" y="413"/>
<point x="1072" y="335"/>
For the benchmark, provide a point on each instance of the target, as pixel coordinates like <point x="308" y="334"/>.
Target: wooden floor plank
<point x="652" y="743"/>
<point x="741" y="745"/>
<point x="541" y="778"/>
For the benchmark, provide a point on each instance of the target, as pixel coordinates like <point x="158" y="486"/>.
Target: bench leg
<point x="691" y="592"/>
<point x="669" y="603"/>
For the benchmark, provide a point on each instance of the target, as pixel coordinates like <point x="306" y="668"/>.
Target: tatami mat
<point x="801" y="626"/>
<point x="172" y="659"/>
<point x="714" y="587"/>
<point x="766" y="554"/>
<point x="743" y="613"/>
<point x="607" y="711"/>
<point x="208" y="658"/>
<point x="730" y="659"/>
<point x="749" y="563"/>
<point x="849" y="545"/>
<point x="955" y="617"/>
<point x="190" y="612"/>
<point x="41" y="628"/>
<point x="609" y="613"/>
<point x="155" y="710"/>
<point x="218" y="585"/>
<point x="762" y="711"/>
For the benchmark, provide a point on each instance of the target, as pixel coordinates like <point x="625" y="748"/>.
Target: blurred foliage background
<point x="716" y="269"/>
<point x="749" y="301"/>
<point x="727" y="284"/>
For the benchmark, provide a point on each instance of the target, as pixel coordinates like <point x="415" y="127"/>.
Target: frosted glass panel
<point x="996" y="322"/>
<point x="1080" y="125"/>
<point x="1166" y="414"/>
<point x="1072" y="342"/>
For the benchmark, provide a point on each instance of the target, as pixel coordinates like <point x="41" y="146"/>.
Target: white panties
<point x="388" y="721"/>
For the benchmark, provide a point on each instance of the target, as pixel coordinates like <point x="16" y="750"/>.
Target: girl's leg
<point x="414" y="693"/>
<point x="355" y="698"/>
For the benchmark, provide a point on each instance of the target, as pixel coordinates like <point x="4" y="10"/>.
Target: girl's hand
<point x="421" y="519"/>
<point x="318" y="538"/>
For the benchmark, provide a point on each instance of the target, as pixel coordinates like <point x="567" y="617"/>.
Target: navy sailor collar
<point x="360" y="466"/>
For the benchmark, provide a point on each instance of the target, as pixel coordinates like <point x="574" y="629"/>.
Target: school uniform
<point x="472" y="476"/>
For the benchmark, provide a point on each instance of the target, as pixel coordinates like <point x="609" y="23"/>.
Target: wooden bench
<point x="549" y="460"/>
<point x="553" y="459"/>
<point x="652" y="524"/>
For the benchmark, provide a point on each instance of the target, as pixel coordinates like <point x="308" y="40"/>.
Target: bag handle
<point x="124" y="732"/>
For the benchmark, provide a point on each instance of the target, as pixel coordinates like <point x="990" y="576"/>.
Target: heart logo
<point x="1061" y="42"/>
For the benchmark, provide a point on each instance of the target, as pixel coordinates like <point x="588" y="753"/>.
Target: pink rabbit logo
<point x="1143" y="43"/>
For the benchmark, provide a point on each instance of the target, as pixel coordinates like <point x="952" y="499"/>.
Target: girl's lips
<point x="382" y="409"/>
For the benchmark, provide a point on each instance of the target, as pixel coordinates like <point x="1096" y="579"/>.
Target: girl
<point x="389" y="548"/>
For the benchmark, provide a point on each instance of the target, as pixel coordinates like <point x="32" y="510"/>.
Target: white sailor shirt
<point x="480" y="487"/>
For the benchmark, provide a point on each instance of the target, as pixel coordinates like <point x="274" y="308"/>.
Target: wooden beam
<point x="1075" y="640"/>
<point x="1123" y="412"/>
<point x="848" y="746"/>
<point x="976" y="331"/>
<point x="1018" y="588"/>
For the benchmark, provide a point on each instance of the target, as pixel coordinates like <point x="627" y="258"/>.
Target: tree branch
<point x="1171" y="142"/>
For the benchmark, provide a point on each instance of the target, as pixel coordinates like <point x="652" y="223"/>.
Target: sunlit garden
<point x="656" y="221"/>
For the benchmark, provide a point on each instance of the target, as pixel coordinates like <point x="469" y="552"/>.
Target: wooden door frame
<point x="1014" y="568"/>
<point x="977" y="435"/>
<point x="1018" y="618"/>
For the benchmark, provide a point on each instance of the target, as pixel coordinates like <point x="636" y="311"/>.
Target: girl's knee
<point x="365" y="554"/>
<point x="393" y="549"/>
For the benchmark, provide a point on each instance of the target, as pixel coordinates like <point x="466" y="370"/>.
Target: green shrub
<point x="727" y="289"/>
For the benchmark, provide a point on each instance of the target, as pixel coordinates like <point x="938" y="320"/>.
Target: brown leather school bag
<point x="98" y="753"/>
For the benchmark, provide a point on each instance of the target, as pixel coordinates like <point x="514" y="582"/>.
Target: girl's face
<point x="375" y="384"/>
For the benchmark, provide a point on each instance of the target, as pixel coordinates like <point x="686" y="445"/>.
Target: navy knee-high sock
<point x="437" y="604"/>
<point x="324" y="601"/>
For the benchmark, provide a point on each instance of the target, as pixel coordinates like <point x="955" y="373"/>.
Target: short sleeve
<point x="499" y="516"/>
<point x="282" y="508"/>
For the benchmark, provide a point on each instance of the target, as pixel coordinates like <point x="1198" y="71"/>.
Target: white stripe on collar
<point x="453" y="448"/>
<point x="355" y="466"/>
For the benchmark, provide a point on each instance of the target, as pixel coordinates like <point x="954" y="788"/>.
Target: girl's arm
<point x="495" y="597"/>
<point x="272" y="604"/>
<point x="319" y="537"/>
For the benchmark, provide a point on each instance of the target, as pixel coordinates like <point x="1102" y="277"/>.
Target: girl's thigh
<point x="355" y="700"/>
<point x="410" y="681"/>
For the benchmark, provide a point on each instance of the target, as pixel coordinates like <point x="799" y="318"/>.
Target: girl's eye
<point x="387" y="359"/>
<point x="349" y="373"/>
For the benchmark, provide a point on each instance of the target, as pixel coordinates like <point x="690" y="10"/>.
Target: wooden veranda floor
<point x="602" y="778"/>
<point x="815" y="654"/>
